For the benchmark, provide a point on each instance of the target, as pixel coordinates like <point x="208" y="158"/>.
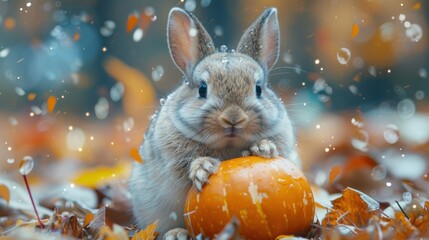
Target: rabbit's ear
<point x="262" y="39"/>
<point x="188" y="40"/>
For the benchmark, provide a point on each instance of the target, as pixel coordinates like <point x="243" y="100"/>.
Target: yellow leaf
<point x="4" y="193"/>
<point x="100" y="175"/>
<point x="148" y="233"/>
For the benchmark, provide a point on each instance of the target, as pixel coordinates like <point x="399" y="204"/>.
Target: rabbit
<point x="224" y="109"/>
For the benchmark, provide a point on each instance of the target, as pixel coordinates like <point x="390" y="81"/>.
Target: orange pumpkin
<point x="269" y="197"/>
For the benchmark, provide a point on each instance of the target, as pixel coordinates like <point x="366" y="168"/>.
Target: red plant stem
<point x="32" y="201"/>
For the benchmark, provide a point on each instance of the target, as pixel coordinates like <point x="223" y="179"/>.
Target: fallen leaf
<point x="98" y="222"/>
<point x="352" y="208"/>
<point x="148" y="233"/>
<point x="88" y="219"/>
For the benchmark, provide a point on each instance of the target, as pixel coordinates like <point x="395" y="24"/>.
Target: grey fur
<point x="189" y="136"/>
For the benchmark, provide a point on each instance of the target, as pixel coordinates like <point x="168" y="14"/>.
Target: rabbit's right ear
<point x="188" y="40"/>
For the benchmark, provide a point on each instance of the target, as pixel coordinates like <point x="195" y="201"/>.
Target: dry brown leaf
<point x="98" y="222"/>
<point x="148" y="233"/>
<point x="71" y="227"/>
<point x="352" y="208"/>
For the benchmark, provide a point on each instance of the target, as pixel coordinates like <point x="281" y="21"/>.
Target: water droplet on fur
<point x="391" y="134"/>
<point x="223" y="48"/>
<point x="26" y="165"/>
<point x="343" y="56"/>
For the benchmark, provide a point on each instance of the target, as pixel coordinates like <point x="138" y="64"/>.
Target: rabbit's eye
<point x="258" y="90"/>
<point x="202" y="91"/>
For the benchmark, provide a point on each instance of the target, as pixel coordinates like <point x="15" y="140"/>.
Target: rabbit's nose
<point x="233" y="116"/>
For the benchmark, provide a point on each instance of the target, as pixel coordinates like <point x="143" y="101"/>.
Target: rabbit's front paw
<point x="264" y="148"/>
<point x="201" y="169"/>
<point x="176" y="234"/>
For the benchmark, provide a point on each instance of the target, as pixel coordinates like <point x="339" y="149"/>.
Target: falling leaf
<point x="355" y="30"/>
<point x="50" y="104"/>
<point x="417" y="6"/>
<point x="132" y="22"/>
<point x="134" y="153"/>
<point x="148" y="233"/>
<point x="4" y="192"/>
<point x="352" y="208"/>
<point x="334" y="173"/>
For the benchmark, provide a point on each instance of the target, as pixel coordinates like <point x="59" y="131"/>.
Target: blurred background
<point x="79" y="81"/>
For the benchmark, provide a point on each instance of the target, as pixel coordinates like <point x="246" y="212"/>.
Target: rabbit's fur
<point x="193" y="132"/>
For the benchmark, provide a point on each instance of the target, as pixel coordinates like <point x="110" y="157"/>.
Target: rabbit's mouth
<point x="232" y="132"/>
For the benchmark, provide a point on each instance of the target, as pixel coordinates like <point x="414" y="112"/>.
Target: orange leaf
<point x="352" y="208"/>
<point x="51" y="103"/>
<point x="355" y="30"/>
<point x="148" y="233"/>
<point x="4" y="192"/>
<point x="134" y="153"/>
<point x="88" y="219"/>
<point x="403" y="228"/>
<point x="334" y="173"/>
<point x="132" y="22"/>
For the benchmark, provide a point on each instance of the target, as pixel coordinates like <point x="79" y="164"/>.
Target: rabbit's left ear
<point x="261" y="40"/>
